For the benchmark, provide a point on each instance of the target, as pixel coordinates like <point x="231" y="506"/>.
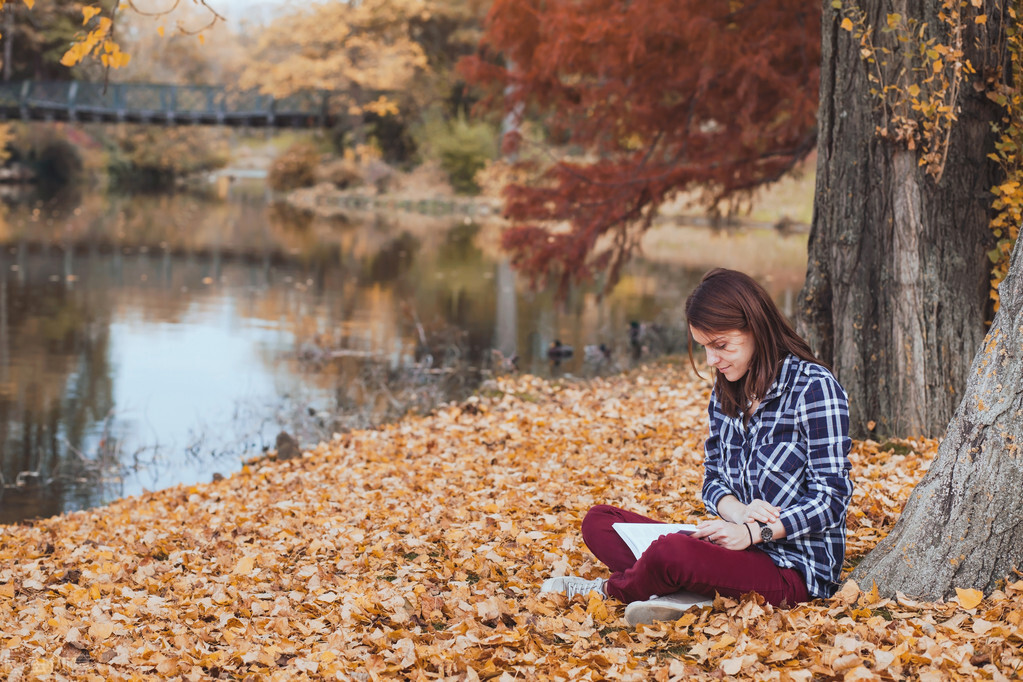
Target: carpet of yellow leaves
<point x="415" y="551"/>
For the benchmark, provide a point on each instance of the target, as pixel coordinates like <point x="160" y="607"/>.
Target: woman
<point x="776" y="472"/>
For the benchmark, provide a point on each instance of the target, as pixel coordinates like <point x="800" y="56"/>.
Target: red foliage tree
<point x="664" y="96"/>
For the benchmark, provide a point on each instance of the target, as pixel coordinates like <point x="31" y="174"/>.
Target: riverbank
<point x="414" y="551"/>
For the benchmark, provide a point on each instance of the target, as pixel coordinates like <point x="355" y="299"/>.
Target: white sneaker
<point x="668" y="607"/>
<point x="571" y="585"/>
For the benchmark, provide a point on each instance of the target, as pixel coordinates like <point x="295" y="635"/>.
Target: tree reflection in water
<point x="150" y="341"/>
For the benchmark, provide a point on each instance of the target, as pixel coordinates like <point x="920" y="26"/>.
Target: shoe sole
<point x="645" y="614"/>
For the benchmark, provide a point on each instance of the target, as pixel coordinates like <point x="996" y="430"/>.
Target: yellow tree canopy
<point x="374" y="46"/>
<point x="339" y="46"/>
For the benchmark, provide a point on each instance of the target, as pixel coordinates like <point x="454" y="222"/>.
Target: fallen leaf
<point x="244" y="565"/>
<point x="100" y="631"/>
<point x="969" y="599"/>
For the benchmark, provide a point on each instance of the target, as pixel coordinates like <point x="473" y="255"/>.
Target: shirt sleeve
<point x="822" y="415"/>
<point x="714" y="487"/>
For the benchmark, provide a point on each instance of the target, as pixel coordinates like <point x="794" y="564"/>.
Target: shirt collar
<point x="786" y="376"/>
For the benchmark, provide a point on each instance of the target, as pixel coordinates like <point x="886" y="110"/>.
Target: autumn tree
<point x="654" y="98"/>
<point x="897" y="281"/>
<point x="386" y="61"/>
<point x="919" y="123"/>
<point x="963" y="524"/>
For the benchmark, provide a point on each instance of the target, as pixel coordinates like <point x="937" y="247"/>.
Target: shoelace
<point x="584" y="588"/>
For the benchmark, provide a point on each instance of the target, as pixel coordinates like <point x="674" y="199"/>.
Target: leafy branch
<point x="916" y="76"/>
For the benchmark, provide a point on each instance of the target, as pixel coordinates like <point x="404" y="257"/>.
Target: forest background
<point x="412" y="127"/>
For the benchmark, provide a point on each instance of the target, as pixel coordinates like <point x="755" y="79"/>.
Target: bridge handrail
<point x="168" y="101"/>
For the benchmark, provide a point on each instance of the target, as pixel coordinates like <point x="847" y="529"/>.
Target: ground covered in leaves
<point x="415" y="551"/>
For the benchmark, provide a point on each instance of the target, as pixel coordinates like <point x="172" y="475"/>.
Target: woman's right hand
<point x="761" y="511"/>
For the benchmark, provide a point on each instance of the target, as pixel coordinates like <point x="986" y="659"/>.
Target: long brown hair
<point x="728" y="300"/>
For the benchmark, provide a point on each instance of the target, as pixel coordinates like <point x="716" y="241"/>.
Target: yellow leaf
<point x="597" y="607"/>
<point x="88" y="13"/>
<point x="74" y="54"/>
<point x="41" y="668"/>
<point x="981" y="19"/>
<point x="244" y="565"/>
<point x="847" y="24"/>
<point x="159" y="29"/>
<point x="969" y="599"/>
<point x="30" y="3"/>
<point x="938" y="65"/>
<point x="874" y="595"/>
<point x="202" y="39"/>
<point x="723" y="642"/>
<point x="100" y="631"/>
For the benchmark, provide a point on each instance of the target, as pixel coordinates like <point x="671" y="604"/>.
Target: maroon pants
<point x="680" y="562"/>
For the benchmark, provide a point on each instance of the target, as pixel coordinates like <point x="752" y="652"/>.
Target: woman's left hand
<point x="734" y="536"/>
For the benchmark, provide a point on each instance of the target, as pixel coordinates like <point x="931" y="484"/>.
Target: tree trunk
<point x="963" y="524"/>
<point x="896" y="290"/>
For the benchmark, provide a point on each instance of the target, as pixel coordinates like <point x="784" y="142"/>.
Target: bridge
<point x="167" y="105"/>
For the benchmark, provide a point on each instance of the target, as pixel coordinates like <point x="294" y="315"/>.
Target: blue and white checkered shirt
<point x="794" y="454"/>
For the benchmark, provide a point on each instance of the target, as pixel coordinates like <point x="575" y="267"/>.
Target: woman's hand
<point x="761" y="511"/>
<point x="734" y="536"/>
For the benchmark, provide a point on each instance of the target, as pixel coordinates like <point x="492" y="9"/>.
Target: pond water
<point x="152" y="341"/>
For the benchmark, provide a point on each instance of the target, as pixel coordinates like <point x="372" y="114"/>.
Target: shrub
<point x="342" y="173"/>
<point x="151" y="158"/>
<point x="58" y="163"/>
<point x="295" y="168"/>
<point x="465" y="150"/>
<point x="461" y="147"/>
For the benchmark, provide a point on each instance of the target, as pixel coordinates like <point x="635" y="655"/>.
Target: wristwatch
<point x="766" y="534"/>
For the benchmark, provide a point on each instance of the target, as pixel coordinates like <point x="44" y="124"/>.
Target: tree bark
<point x="963" y="524"/>
<point x="897" y="279"/>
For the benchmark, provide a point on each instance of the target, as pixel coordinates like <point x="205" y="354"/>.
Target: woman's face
<point x="728" y="352"/>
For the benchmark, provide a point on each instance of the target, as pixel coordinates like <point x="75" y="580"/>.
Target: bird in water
<point x="558" y="351"/>
<point x="597" y="354"/>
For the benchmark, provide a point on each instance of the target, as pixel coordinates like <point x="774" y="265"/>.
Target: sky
<point x="251" y="10"/>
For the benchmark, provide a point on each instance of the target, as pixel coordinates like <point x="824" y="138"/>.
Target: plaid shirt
<point x="794" y="454"/>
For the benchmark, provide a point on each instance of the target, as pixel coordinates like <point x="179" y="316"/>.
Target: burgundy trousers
<point x="680" y="562"/>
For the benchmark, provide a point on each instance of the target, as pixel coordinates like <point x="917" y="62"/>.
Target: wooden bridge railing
<point x="165" y="105"/>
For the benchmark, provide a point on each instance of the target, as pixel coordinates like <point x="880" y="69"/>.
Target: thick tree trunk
<point x="963" y="524"/>
<point x="897" y="279"/>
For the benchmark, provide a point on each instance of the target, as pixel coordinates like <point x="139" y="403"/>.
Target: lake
<point x="160" y="340"/>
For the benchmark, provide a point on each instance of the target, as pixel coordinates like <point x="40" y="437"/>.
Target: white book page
<point x="639" y="536"/>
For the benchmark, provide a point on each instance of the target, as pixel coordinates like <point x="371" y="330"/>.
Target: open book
<point x="638" y="536"/>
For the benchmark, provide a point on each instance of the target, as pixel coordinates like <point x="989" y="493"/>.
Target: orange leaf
<point x="969" y="599"/>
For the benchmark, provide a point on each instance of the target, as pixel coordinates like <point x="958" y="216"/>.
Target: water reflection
<point x="150" y="341"/>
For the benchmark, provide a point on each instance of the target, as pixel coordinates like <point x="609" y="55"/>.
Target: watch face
<point x="766" y="533"/>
